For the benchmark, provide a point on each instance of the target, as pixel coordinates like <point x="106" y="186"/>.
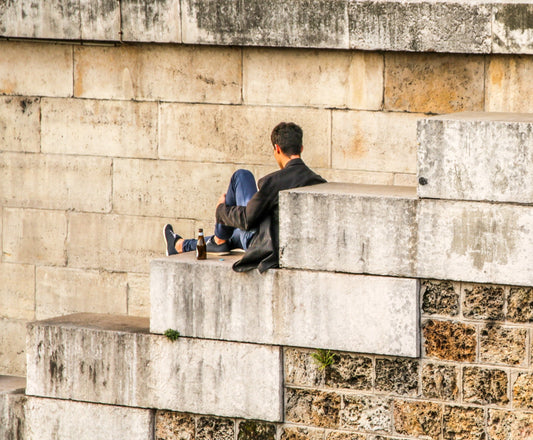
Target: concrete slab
<point x="476" y="156"/>
<point x="349" y="228"/>
<point x="12" y="401"/>
<point x="300" y="308"/>
<point x="114" y="360"/>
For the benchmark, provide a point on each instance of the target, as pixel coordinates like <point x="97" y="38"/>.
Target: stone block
<point x="12" y="403"/>
<point x="12" y="384"/>
<point x="349" y="371"/>
<point x="99" y="128"/>
<point x="399" y="376"/>
<point x="440" y="382"/>
<point x="12" y="347"/>
<point x="483" y="301"/>
<point x="492" y="339"/>
<point x="138" y="294"/>
<point x="17" y="291"/>
<point x="463" y="423"/>
<point x="34" y="236"/>
<point x="508" y="81"/>
<point x="184" y="73"/>
<point x="56" y="182"/>
<point x="114" y="360"/>
<point x="374" y="141"/>
<point x="512" y="28"/>
<point x="238" y="133"/>
<point x="519" y="304"/>
<point x="95" y="241"/>
<point x="343" y="435"/>
<point x="522" y="390"/>
<point x="316" y="23"/>
<point x="434" y="83"/>
<point x="475" y="241"/>
<point x="295" y="433"/>
<point x="504" y="425"/>
<point x="366" y="413"/>
<point x="157" y="188"/>
<point x="405" y="179"/>
<point x="20" y="61"/>
<point x="354" y="176"/>
<point x="419" y="419"/>
<point x="312" y="407"/>
<point x="422" y="26"/>
<point x="274" y="308"/>
<point x="171" y="425"/>
<point x="449" y="340"/>
<point x="387" y="248"/>
<point x="215" y="428"/>
<point x="313" y="78"/>
<point x="485" y="386"/>
<point x="440" y="297"/>
<point x="61" y="291"/>
<point x="151" y="22"/>
<point x="252" y="430"/>
<point x="301" y="369"/>
<point x="65" y="419"/>
<point x="20" y="124"/>
<point x="477" y="156"/>
<point x="100" y="20"/>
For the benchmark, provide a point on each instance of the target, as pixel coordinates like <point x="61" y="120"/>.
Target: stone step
<point x="115" y="360"/>
<point x="12" y="401"/>
<point x="312" y="309"/>
<point x="387" y="231"/>
<point x="476" y="156"/>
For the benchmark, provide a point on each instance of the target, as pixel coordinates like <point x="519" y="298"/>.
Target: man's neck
<point x="287" y="159"/>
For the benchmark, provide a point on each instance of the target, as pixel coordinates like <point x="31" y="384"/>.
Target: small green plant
<point x="171" y="334"/>
<point x="324" y="358"/>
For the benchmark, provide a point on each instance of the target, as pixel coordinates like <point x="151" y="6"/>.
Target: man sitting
<point x="247" y="216"/>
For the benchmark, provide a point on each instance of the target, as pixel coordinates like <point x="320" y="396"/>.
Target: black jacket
<point x="262" y="212"/>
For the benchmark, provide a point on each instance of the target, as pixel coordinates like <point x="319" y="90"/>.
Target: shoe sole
<point x="219" y="254"/>
<point x="165" y="237"/>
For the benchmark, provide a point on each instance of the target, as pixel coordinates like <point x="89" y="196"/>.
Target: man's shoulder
<point x="295" y="174"/>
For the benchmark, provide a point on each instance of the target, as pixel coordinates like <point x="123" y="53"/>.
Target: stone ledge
<point x="455" y="26"/>
<point x="285" y="307"/>
<point x="12" y="401"/>
<point x="477" y="156"/>
<point x="114" y="360"/>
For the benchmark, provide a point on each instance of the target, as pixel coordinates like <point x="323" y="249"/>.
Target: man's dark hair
<point x="288" y="136"/>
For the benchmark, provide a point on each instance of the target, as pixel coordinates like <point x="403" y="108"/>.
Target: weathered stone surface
<point x="401" y="179"/>
<point x="508" y="81"/>
<point x="12" y="402"/>
<point x="449" y="340"/>
<point x="156" y="188"/>
<point x="312" y="407"/>
<point x="151" y="21"/>
<point x="507" y="425"/>
<point x="512" y="28"/>
<point x="523" y="391"/>
<point x="418" y="418"/>
<point x="184" y="73"/>
<point x="314" y="79"/>
<point x="113" y="359"/>
<point x="434" y="83"/>
<point x="398" y="376"/>
<point x="485" y="386"/>
<point x="273" y="308"/>
<point x="99" y="128"/>
<point x="17" y="291"/>
<point x="317" y="23"/>
<point x="12" y="347"/>
<point x="468" y="156"/>
<point x="440" y="297"/>
<point x="294" y="433"/>
<point x="227" y="130"/>
<point x="138" y="294"/>
<point x="483" y="301"/>
<point x="20" y="61"/>
<point x="492" y="341"/>
<point x="387" y="248"/>
<point x="251" y="430"/>
<point x="93" y="241"/>
<point x="350" y="371"/>
<point x="100" y="20"/>
<point x="301" y="369"/>
<point x="366" y="413"/>
<point x="34" y="236"/>
<point x="475" y="241"/>
<point x="424" y="26"/>
<point x="172" y="425"/>
<point x="65" y="419"/>
<point x="61" y="291"/>
<point x="463" y="423"/>
<point x="520" y="304"/>
<point x="214" y="428"/>
<point x="376" y="141"/>
<point x="19" y="124"/>
<point x="339" y="435"/>
<point x="440" y="382"/>
<point x="359" y="177"/>
<point x="55" y="182"/>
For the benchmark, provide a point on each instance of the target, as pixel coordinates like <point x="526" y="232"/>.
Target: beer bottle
<point x="201" y="252"/>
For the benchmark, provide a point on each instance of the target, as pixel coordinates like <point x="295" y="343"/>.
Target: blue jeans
<point x="241" y="189"/>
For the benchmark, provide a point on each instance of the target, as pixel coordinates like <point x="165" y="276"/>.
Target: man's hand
<point x="222" y="200"/>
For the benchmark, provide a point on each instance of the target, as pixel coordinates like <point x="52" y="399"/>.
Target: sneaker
<point x="217" y="249"/>
<point x="171" y="238"/>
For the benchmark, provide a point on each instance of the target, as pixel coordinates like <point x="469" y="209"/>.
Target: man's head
<point x="288" y="136"/>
